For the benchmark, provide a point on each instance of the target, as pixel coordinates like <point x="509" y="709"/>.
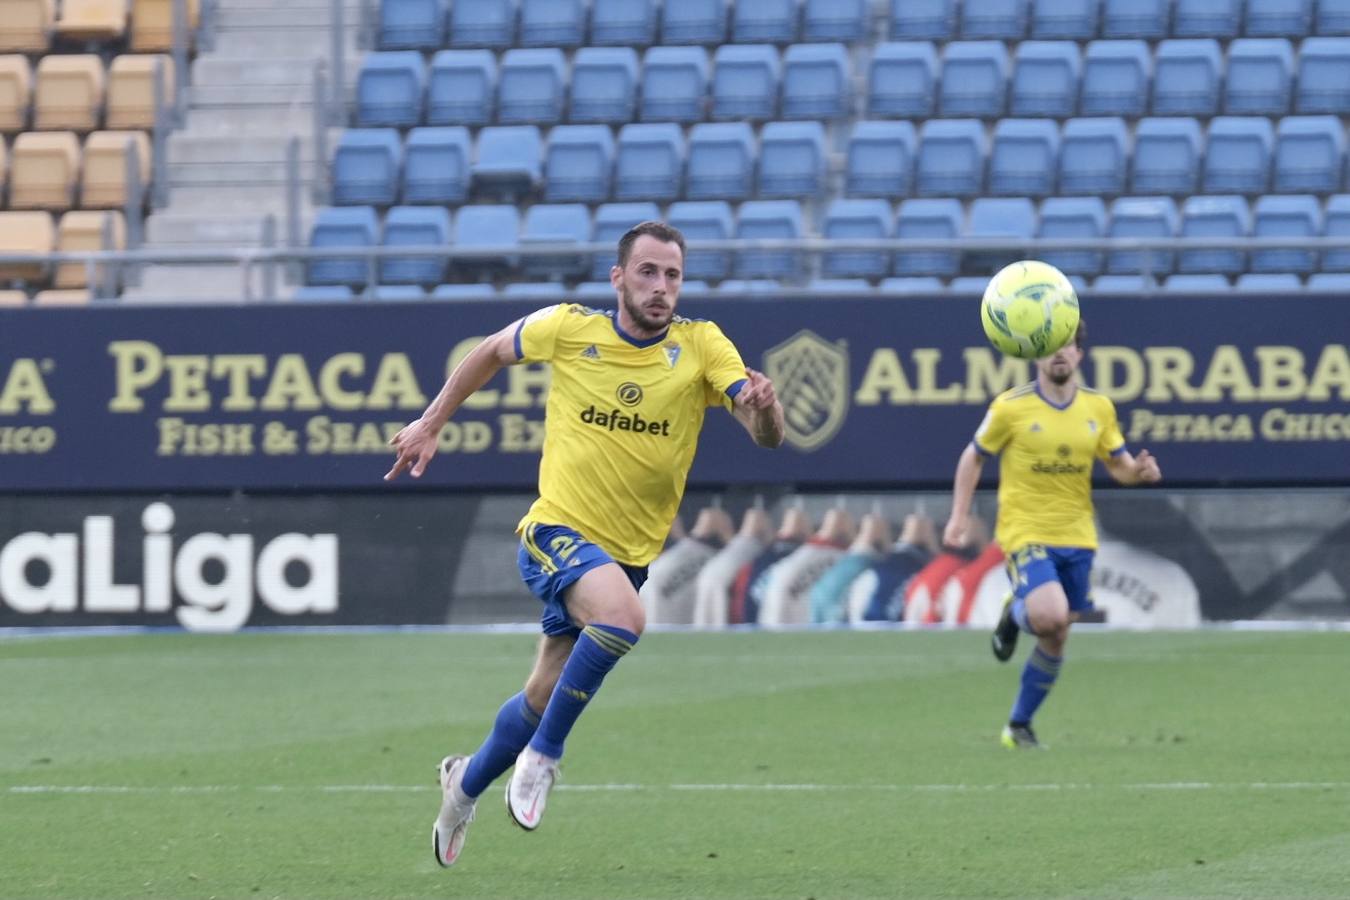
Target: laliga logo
<point x="209" y="603"/>
<point x="811" y="377"/>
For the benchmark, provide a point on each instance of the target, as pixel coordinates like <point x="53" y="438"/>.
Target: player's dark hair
<point x="659" y="230"/>
<point x="1080" y="336"/>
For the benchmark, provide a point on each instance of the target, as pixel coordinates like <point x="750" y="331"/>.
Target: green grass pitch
<point x="733" y="765"/>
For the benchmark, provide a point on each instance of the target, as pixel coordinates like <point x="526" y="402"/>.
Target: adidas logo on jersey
<point x="590" y="353"/>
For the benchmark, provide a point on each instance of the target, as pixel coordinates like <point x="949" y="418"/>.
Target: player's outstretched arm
<point x="1129" y="469"/>
<point x="968" y="468"/>
<point x="757" y="408"/>
<point x="415" y="444"/>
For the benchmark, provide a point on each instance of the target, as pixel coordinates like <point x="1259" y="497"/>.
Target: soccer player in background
<point x="1046" y="435"/>
<point x="624" y="412"/>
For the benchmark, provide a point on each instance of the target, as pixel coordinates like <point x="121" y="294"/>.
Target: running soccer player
<point x="624" y="412"/>
<point x="1046" y="434"/>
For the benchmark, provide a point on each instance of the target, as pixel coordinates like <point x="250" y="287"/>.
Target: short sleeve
<point x="537" y="333"/>
<point x="724" y="370"/>
<point x="994" y="431"/>
<point x="1109" y="439"/>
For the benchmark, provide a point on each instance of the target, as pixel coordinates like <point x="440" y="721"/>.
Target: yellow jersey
<point x="622" y="422"/>
<point x="1045" y="465"/>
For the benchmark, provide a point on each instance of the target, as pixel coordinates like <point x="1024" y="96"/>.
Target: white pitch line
<point x="955" y="788"/>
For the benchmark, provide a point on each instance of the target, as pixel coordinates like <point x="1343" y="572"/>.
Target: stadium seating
<point x="1116" y="78"/>
<point x="482" y="23"/>
<point x="792" y="160"/>
<point x="44" y="170"/>
<point x="1093" y="157"/>
<point x="1333" y="17"/>
<point x="1277" y="18"/>
<point x="881" y="158"/>
<point x="745" y="82"/>
<point x="1337" y="225"/>
<point x="1259" y="77"/>
<point x="604" y="85"/>
<point x="91" y="20"/>
<point x="623" y="23"/>
<point x="104" y="182"/>
<point x="415" y="226"/>
<point x="1002" y="20"/>
<point x="1024" y="156"/>
<point x="1045" y="79"/>
<point x="1324" y="76"/>
<point x="132" y="94"/>
<point x="1239" y="154"/>
<point x="922" y="19"/>
<point x="951" y="158"/>
<point x="436" y="165"/>
<point x="556" y="224"/>
<point x="704" y="220"/>
<point x="817" y="83"/>
<point x="366" y="167"/>
<point x="1196" y="283"/>
<point x="412" y="24"/>
<point x="858" y="219"/>
<point x="974" y="79"/>
<point x="928" y="219"/>
<point x="552" y="23"/>
<point x="902" y="79"/>
<point x="1207" y="18"/>
<point x="26" y="26"/>
<point x="68" y="92"/>
<point x="1064" y="19"/>
<point x="611" y="221"/>
<point x="674" y="84"/>
<point x="398" y="293"/>
<point x="462" y="88"/>
<point x="152" y="24"/>
<point x="531" y="86"/>
<point x="322" y="293"/>
<point x="1166" y="157"/>
<point x="694" y="22"/>
<point x="1142" y="217"/>
<point x="345" y="227"/>
<point x="482" y="227"/>
<point x="579" y="164"/>
<point x="1268" y="283"/>
<point x="506" y="164"/>
<point x="1186" y="77"/>
<point x="1337" y="282"/>
<point x="1073" y="217"/>
<point x="390" y="88"/>
<point x="914" y="284"/>
<point x="764" y="21"/>
<point x="835" y="20"/>
<point x="1214" y="216"/>
<point x="87" y="230"/>
<point x="998" y="217"/>
<point x="721" y="161"/>
<point x="763" y="220"/>
<point x="1293" y="216"/>
<point x="1143" y="19"/>
<point x="650" y="162"/>
<point x="1309" y="154"/>
<point x="16" y="92"/>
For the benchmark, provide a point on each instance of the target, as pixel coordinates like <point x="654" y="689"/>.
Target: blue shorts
<point x="551" y="559"/>
<point x="1036" y="564"/>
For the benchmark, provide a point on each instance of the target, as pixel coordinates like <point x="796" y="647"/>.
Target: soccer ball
<point x="1029" y="309"/>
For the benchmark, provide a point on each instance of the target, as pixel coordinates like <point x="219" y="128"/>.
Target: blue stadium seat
<point x="552" y="23"/>
<point x="999" y="217"/>
<point x="604" y="85"/>
<point x="389" y="89"/>
<point x="1073" y="217"/>
<point x="1116" y="78"/>
<point x="595" y="290"/>
<point x="1295" y="215"/>
<point x="765" y="219"/>
<point x="694" y="287"/>
<point x="1045" y="79"/>
<point x="623" y="23"/>
<point x="1279" y="18"/>
<point x="436" y="165"/>
<point x="764" y="22"/>
<point x="1142" y="217"/>
<point x="932" y="20"/>
<point x="1186" y="77"/>
<point x="1337" y="225"/>
<point x="366" y="166"/>
<point x="858" y="219"/>
<point x="342" y="226"/>
<point x="412" y="24"/>
<point x="721" y="161"/>
<point x="1333" y="17"/>
<point x="612" y="221"/>
<point x="1196" y="283"/>
<point x="1268" y="283"/>
<point x="1144" y="19"/>
<point x="1238" y="155"/>
<point x="547" y="291"/>
<point x="745" y="82"/>
<point x="556" y="223"/>
<point x="951" y="158"/>
<point x="1002" y="20"/>
<point x="792" y="160"/>
<point x="1218" y="216"/>
<point x="1092" y="156"/>
<point x="1338" y="282"/>
<point x="836" y="20"/>
<point x="1207" y="18"/>
<point x="828" y="287"/>
<point x="738" y="286"/>
<point x="1166" y="156"/>
<point x="674" y="84"/>
<point x="817" y="83"/>
<point x="483" y="23"/>
<point x="709" y="220"/>
<point x="486" y="226"/>
<point x="531" y="87"/>
<point x="912" y="284"/>
<point x="415" y="226"/>
<point x="1074" y="20"/>
<point x="974" y="79"/>
<point x="463" y="292"/>
<point x="968" y="285"/>
<point x="881" y="159"/>
<point x="694" y="22"/>
<point x="902" y="79"/>
<point x="322" y="293"/>
<point x="1309" y="154"/>
<point x="928" y="219"/>
<point x="579" y="164"/>
<point x="1324" y="76"/>
<point x="650" y="162"/>
<point x="1260" y="75"/>
<point x="507" y="164"/>
<point x="1024" y="157"/>
<point x="1123" y="284"/>
<point x="398" y="293"/>
<point x="463" y="87"/>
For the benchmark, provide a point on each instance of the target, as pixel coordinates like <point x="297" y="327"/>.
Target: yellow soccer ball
<point x="1029" y="309"/>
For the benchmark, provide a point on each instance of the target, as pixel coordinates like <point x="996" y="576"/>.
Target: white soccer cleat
<point x="447" y="832"/>
<point x="527" y="791"/>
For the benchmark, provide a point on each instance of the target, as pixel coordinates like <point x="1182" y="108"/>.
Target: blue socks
<point x="512" y="730"/>
<point x="1038" y="676"/>
<point x="597" y="650"/>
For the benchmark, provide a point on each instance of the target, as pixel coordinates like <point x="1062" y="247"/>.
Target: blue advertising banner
<point x="1225" y="390"/>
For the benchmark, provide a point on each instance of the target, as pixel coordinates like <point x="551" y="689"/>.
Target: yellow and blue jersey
<point x="622" y="422"/>
<point x="1045" y="464"/>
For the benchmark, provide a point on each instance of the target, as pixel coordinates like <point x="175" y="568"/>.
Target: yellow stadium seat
<point x="26" y="25"/>
<point x="85" y="230"/>
<point x="152" y="24"/>
<point x="93" y="20"/>
<point x="13" y="298"/>
<point x="25" y="232"/>
<point x="104" y="185"/>
<point x="69" y="92"/>
<point x="131" y="89"/>
<point x="61" y="298"/>
<point x="43" y="170"/>
<point x="16" y="92"/>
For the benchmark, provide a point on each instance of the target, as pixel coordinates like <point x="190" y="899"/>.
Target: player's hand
<point x="758" y="392"/>
<point x="957" y="532"/>
<point x="1146" y="468"/>
<point x="414" y="446"/>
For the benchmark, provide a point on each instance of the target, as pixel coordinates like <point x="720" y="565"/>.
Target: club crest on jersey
<point x="811" y="377"/>
<point x="672" y="353"/>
